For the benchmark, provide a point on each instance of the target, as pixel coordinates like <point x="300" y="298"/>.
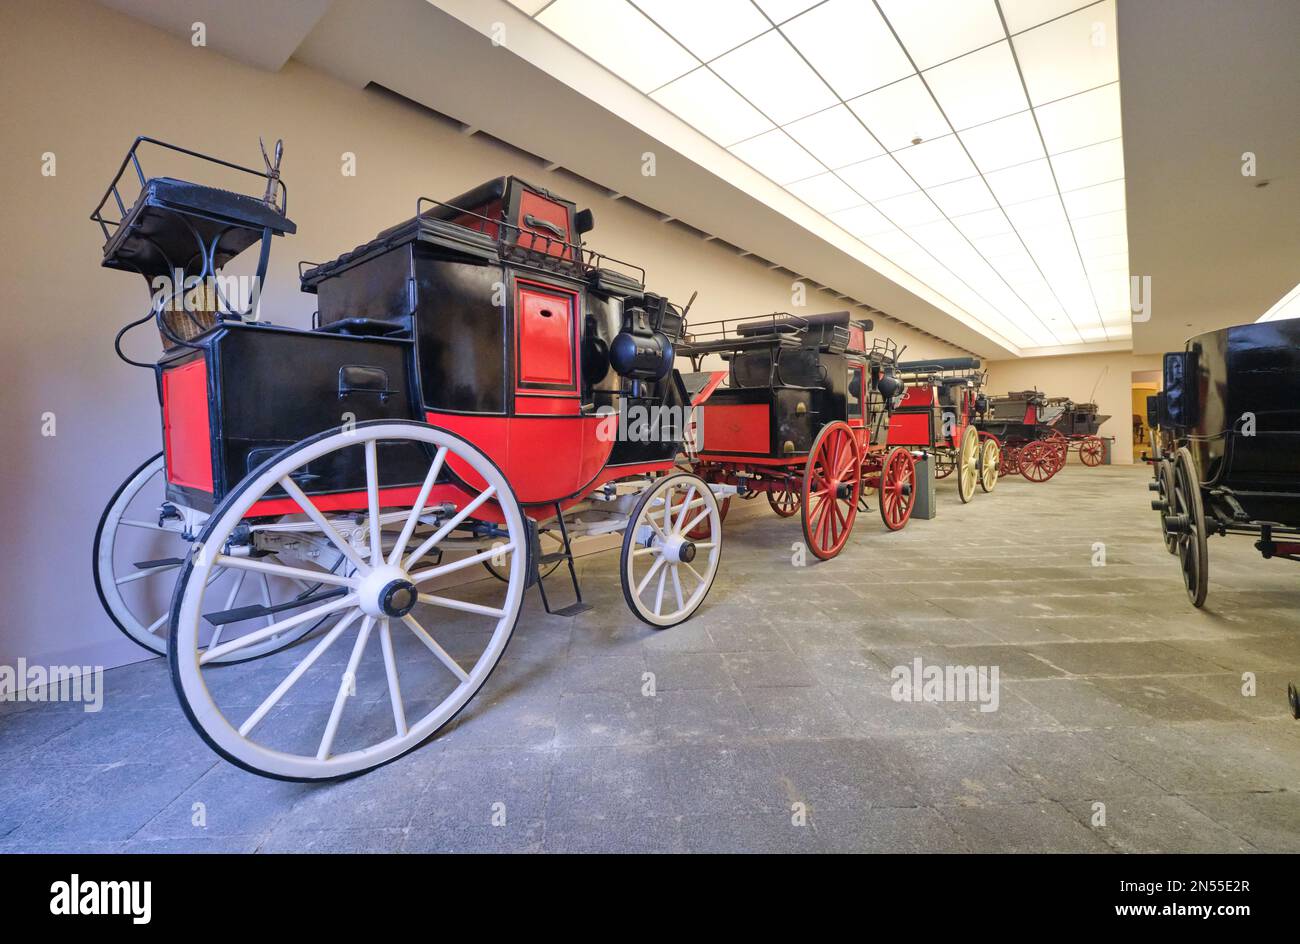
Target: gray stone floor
<point x="775" y="699"/>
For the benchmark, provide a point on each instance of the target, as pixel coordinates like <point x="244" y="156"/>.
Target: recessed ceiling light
<point x="707" y="29"/>
<point x="1080" y="120"/>
<point x="835" y="137"/>
<point x="588" y="25"/>
<point x="850" y="45"/>
<point x="939" y="30"/>
<point x="769" y="73"/>
<point x="1084" y="167"/>
<point x="825" y="193"/>
<point x="776" y="156"/>
<point x="703" y="100"/>
<point x="981" y="86"/>
<point x="1069" y="55"/>
<point x="936" y="162"/>
<point x="878" y="178"/>
<point x="1002" y="143"/>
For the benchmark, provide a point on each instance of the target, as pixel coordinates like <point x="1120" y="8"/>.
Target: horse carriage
<point x="1078" y="424"/>
<point x="937" y="415"/>
<point x="1019" y="422"/>
<point x="1227" y="457"/>
<point x="450" y="407"/>
<point x="801" y="415"/>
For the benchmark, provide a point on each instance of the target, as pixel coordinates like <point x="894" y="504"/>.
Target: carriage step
<point x="239" y="613"/>
<point x="573" y="609"/>
<point x="160" y="562"/>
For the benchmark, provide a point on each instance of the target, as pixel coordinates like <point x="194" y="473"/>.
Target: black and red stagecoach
<point x="1228" y="453"/>
<point x="801" y="414"/>
<point x="1029" y="445"/>
<point x="937" y="415"/>
<point x="450" y="408"/>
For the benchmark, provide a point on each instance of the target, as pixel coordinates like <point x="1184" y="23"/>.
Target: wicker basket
<point x="189" y="324"/>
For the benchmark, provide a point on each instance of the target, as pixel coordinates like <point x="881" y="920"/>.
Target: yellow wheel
<point x="967" y="464"/>
<point x="990" y="458"/>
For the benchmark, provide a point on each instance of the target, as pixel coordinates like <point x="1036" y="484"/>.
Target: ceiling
<point x="1205" y="82"/>
<point x="974" y="143"/>
<point x="1009" y="230"/>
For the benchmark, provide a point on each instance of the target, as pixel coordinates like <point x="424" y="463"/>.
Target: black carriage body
<point x="243" y="392"/>
<point x="513" y="324"/>
<point x="787" y="379"/>
<point x="1232" y="397"/>
<point x="1014" y="418"/>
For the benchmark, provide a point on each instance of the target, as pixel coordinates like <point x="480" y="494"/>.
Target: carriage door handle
<point x="547" y="225"/>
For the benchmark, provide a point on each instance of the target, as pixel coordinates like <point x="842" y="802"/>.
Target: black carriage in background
<point x="1029" y="445"/>
<point x="1228" y="460"/>
<point x="802" y="415"/>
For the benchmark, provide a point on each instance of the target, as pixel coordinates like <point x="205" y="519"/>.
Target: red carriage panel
<point x="736" y="427"/>
<point x="546" y="340"/>
<point x="187" y="435"/>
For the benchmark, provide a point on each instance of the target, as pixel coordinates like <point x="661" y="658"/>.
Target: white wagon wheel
<point x="137" y="559"/>
<point x="328" y="717"/>
<point x="671" y="550"/>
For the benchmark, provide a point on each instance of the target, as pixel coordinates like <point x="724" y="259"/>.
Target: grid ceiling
<point x="976" y="144"/>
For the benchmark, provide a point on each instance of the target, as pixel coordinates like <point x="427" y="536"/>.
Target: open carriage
<point x="801" y="415"/>
<point x="937" y="415"/>
<point x="1228" y="460"/>
<point x="456" y="404"/>
<point x="1029" y="446"/>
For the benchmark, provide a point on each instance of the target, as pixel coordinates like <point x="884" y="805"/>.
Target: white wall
<point x="81" y="81"/>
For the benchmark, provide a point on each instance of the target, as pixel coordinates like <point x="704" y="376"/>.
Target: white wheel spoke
<point x="652" y="549"/>
<point x="686" y="505"/>
<point x="677" y="588"/>
<point x="695" y="521"/>
<point x="157" y="624"/>
<point x="280" y="570"/>
<point x="314" y="513"/>
<point x="443" y="656"/>
<point x="454" y="566"/>
<point x="450" y="526"/>
<point x="390" y="669"/>
<point x="298" y="672"/>
<point x="146" y="572"/>
<point x="347" y="685"/>
<point x="372" y="501"/>
<point x="462" y="605"/>
<point x="418" y="508"/>
<point x="654" y="569"/>
<point x="698" y="575"/>
<point x="276" y="629"/>
<point x="659" y="596"/>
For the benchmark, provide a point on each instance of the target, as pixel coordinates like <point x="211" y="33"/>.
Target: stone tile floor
<point x="776" y="699"/>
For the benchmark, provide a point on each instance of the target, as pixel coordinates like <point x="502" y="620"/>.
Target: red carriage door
<point x="546" y="350"/>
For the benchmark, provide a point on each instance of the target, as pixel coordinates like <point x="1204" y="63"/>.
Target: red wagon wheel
<point x="897" y="488"/>
<point x="1039" y="461"/>
<point x="942" y="467"/>
<point x="784" y="499"/>
<point x="832" y="482"/>
<point x="1091" y="450"/>
<point x="1010" y="461"/>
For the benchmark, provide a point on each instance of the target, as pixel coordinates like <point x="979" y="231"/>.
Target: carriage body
<point x="937" y="416"/>
<point x="1229" y="429"/>
<point x="475" y="382"/>
<point x="801" y="394"/>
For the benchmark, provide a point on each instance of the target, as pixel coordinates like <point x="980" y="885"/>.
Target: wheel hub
<point x="387" y="593"/>
<point x="679" y="550"/>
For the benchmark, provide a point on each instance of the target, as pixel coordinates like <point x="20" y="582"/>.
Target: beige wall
<point x="1076" y="377"/>
<point x="81" y="81"/>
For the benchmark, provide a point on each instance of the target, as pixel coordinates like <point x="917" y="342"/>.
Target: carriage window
<point x="855" y="392"/>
